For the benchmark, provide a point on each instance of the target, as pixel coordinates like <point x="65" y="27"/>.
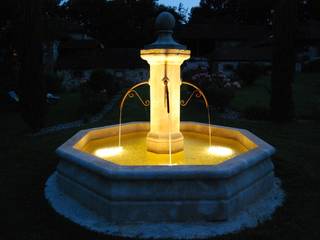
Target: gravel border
<point x="257" y="213"/>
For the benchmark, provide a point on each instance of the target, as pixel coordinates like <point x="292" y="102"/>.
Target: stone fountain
<point x="166" y="170"/>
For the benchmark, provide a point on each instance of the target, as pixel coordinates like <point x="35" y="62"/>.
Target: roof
<point x="309" y="31"/>
<point x="245" y="54"/>
<point x="221" y="32"/>
<point x="101" y="58"/>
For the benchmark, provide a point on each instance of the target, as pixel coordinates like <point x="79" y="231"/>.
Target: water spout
<point x="131" y="93"/>
<point x="166" y="89"/>
<point x="199" y="93"/>
<point x="170" y="144"/>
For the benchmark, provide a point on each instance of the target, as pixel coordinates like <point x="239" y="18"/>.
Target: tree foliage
<point x="23" y="34"/>
<point x="118" y="23"/>
<point x="314" y="9"/>
<point x="283" y="65"/>
<point x="31" y="84"/>
<point x="250" y="12"/>
<point x="233" y="11"/>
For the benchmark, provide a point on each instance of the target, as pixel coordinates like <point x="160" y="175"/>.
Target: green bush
<point x="257" y="113"/>
<point x="248" y="73"/>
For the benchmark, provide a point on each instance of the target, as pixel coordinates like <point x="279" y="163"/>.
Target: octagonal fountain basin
<point x="134" y="185"/>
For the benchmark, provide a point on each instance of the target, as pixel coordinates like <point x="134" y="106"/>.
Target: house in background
<point x="228" y="46"/>
<point x="77" y="60"/>
<point x="203" y="39"/>
<point x="309" y="38"/>
<point x="80" y="54"/>
<point x="224" y="45"/>
<point x="227" y="60"/>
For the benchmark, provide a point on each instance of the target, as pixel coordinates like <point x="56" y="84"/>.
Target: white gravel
<point x="254" y="215"/>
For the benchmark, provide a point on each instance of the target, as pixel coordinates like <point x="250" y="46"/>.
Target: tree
<point x="251" y="12"/>
<point x="7" y="15"/>
<point x="118" y="23"/>
<point x="285" y="23"/>
<point x="31" y="83"/>
<point x="213" y="4"/>
<point x="22" y="35"/>
<point x="210" y="11"/>
<point x="314" y="9"/>
<point x="233" y="11"/>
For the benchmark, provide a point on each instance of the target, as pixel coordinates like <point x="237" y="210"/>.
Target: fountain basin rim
<point x="226" y="169"/>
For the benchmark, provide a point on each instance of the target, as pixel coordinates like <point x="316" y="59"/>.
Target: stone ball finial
<point x="165" y="22"/>
<point x="164" y="26"/>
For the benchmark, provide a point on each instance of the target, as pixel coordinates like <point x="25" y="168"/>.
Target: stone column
<point x="164" y="121"/>
<point x="165" y="57"/>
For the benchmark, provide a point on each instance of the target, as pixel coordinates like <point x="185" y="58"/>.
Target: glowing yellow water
<point x="133" y="151"/>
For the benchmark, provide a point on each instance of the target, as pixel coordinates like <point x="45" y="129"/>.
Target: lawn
<point x="67" y="109"/>
<point x="306" y="95"/>
<point x="27" y="162"/>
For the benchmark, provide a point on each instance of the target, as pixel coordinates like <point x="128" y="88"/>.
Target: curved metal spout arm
<point x="131" y="90"/>
<point x="199" y="91"/>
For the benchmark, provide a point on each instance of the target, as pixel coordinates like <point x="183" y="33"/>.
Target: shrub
<point x="218" y="87"/>
<point x="312" y="66"/>
<point x="123" y="83"/>
<point x="54" y="81"/>
<point x="257" y="113"/>
<point x="248" y="73"/>
<point x="228" y="67"/>
<point x="96" y="92"/>
<point x="187" y="75"/>
<point x="100" y="81"/>
<point x="219" y="97"/>
<point x="91" y="101"/>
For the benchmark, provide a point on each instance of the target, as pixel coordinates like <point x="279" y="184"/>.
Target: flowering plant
<point x="219" y="79"/>
<point x="218" y="88"/>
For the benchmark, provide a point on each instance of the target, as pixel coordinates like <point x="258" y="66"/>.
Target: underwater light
<point x="108" y="152"/>
<point x="220" y="151"/>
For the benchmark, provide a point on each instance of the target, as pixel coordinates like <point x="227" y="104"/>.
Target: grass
<point x="65" y="110"/>
<point x="28" y="161"/>
<point x="306" y="95"/>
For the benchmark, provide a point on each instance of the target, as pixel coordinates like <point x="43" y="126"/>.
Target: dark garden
<point x="160" y="119"/>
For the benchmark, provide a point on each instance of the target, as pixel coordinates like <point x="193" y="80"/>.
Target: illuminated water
<point x="133" y="152"/>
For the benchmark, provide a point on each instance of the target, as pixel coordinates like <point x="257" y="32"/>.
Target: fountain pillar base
<point x="159" y="143"/>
